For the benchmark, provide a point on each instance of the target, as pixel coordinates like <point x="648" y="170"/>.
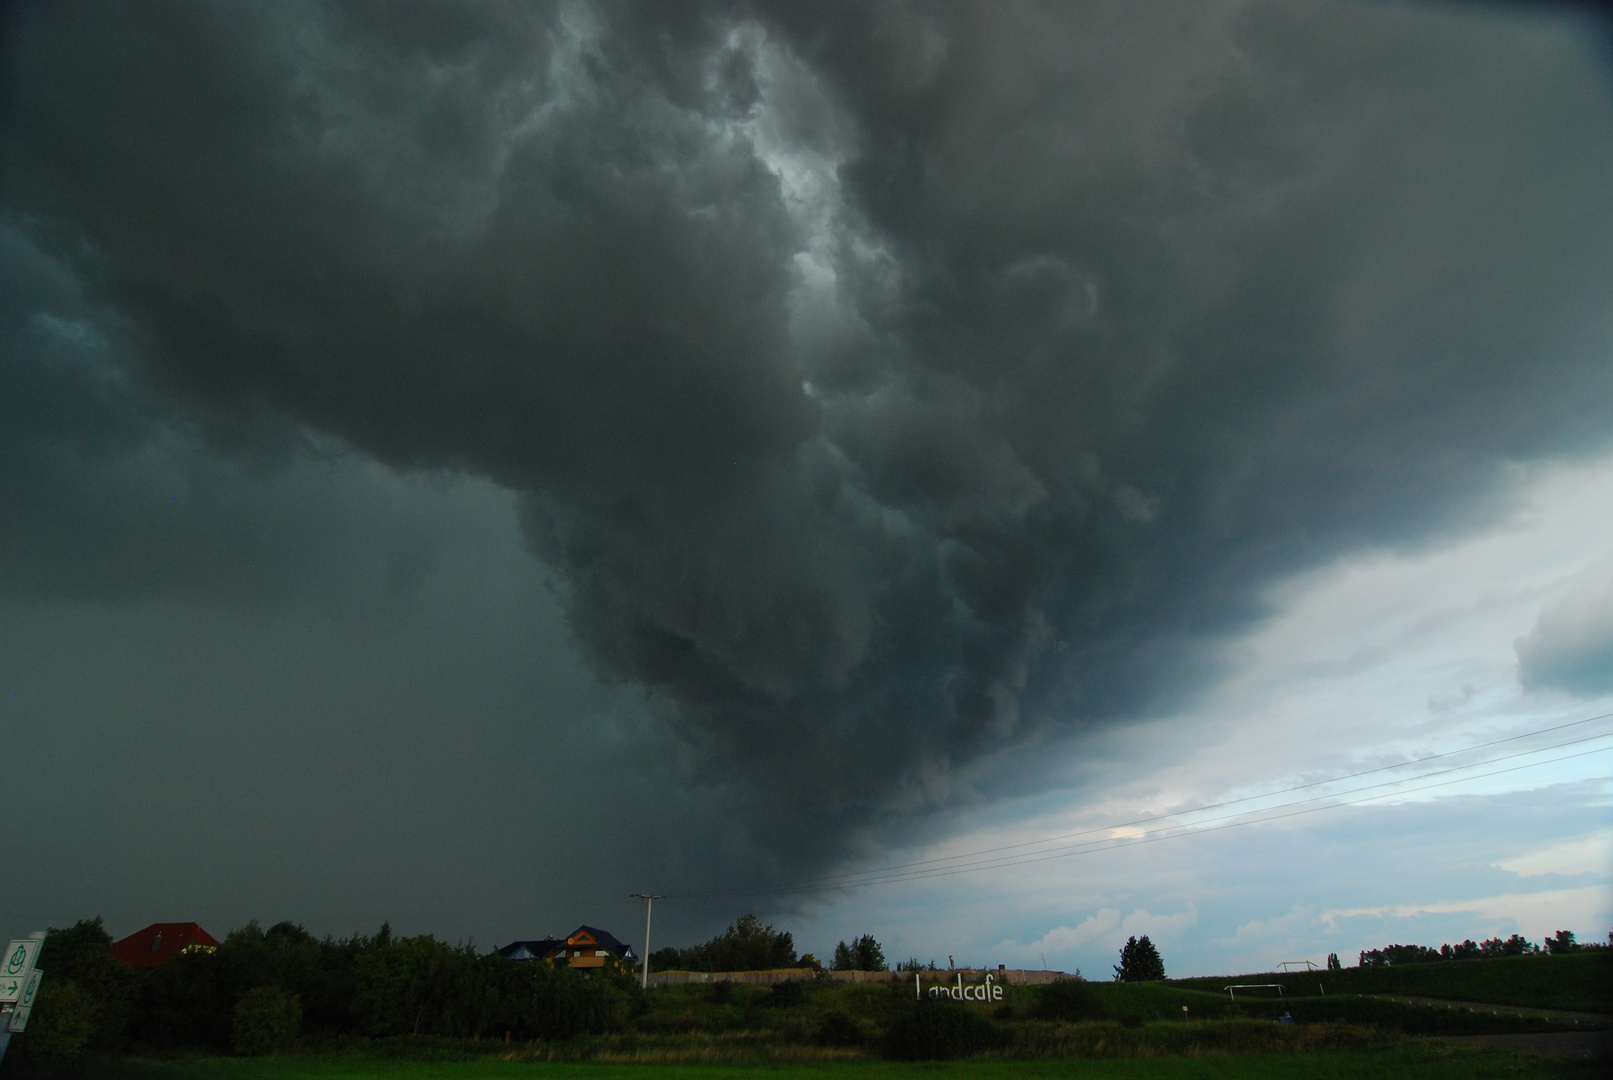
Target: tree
<point x="1139" y="961"/>
<point x="79" y="953"/>
<point x="1562" y="942"/>
<point x="747" y="945"/>
<point x="415" y="986"/>
<point x="1391" y="955"/>
<point x="1333" y="962"/>
<point x="863" y="954"/>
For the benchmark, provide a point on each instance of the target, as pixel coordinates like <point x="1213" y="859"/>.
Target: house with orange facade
<point x="584" y="947"/>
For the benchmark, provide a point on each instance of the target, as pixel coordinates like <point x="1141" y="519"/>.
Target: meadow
<point x="1186" y="1027"/>
<point x="1579" y="982"/>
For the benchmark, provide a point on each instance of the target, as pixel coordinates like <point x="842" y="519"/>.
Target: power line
<point x="946" y="866"/>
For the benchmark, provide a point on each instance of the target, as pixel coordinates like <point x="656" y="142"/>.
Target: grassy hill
<point x="1153" y="1002"/>
<point x="1580" y="982"/>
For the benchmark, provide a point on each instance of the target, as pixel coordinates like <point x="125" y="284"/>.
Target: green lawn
<point x="1409" y="1061"/>
<point x="1580" y="982"/>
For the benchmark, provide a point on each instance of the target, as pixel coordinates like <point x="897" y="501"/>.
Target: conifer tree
<point x="1139" y="961"/>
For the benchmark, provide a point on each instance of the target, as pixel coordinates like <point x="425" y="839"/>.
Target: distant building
<point x="585" y="947"/>
<point x="162" y="941"/>
<point x="531" y="950"/>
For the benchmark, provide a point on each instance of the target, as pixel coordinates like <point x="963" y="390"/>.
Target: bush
<point x="940" y="1031"/>
<point x="422" y="986"/>
<point x="787" y="995"/>
<point x="79" y="953"/>
<point x="838" y="1029"/>
<point x="1067" y="999"/>
<point x="61" y="1025"/>
<point x="266" y="1019"/>
<point x="536" y="1000"/>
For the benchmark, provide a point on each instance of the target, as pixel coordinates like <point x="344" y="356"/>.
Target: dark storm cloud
<point x="110" y="492"/>
<point x="887" y="385"/>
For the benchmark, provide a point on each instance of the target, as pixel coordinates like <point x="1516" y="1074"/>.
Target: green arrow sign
<point x="19" y="960"/>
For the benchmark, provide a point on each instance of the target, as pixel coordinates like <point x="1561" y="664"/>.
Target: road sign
<point x="15" y="965"/>
<point x="20" y="956"/>
<point x="25" y="1004"/>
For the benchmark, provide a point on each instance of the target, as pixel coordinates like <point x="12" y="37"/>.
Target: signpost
<point x="25" y="1004"/>
<point x="19" y="961"/>
<point x="19" y="984"/>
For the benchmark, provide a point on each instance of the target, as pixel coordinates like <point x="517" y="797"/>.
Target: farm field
<point x="1409" y="1060"/>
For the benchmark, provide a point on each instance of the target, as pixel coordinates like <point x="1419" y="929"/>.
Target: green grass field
<point x="684" y="1010"/>
<point x="1408" y="1061"/>
<point x="1580" y="982"/>
<point x="1155" y="1002"/>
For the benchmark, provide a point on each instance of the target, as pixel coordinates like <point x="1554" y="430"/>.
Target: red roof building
<point x="161" y="941"/>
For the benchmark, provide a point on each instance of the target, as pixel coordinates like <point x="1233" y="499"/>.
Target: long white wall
<point x="1004" y="976"/>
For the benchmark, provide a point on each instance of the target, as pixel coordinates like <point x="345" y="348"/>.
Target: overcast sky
<point x="463" y="463"/>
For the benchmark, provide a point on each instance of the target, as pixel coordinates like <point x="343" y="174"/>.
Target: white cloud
<point x="1165" y="927"/>
<point x="1573" y="856"/>
<point x="1099" y="926"/>
<point x="1541" y="913"/>
<point x="1263" y="931"/>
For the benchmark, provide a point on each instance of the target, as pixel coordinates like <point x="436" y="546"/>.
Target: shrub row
<point x="260" y="989"/>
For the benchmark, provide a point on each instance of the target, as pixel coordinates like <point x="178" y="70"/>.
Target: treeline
<point x="1516" y="945"/>
<point x="750" y="945"/>
<point x="747" y="945"/>
<point x="262" y="989"/>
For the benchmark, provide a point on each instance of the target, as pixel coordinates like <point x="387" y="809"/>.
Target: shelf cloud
<point x="887" y="387"/>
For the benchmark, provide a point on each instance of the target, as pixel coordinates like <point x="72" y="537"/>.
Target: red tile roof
<point x="160" y="941"/>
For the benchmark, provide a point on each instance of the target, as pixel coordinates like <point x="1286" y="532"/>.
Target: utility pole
<point x="649" y="906"/>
